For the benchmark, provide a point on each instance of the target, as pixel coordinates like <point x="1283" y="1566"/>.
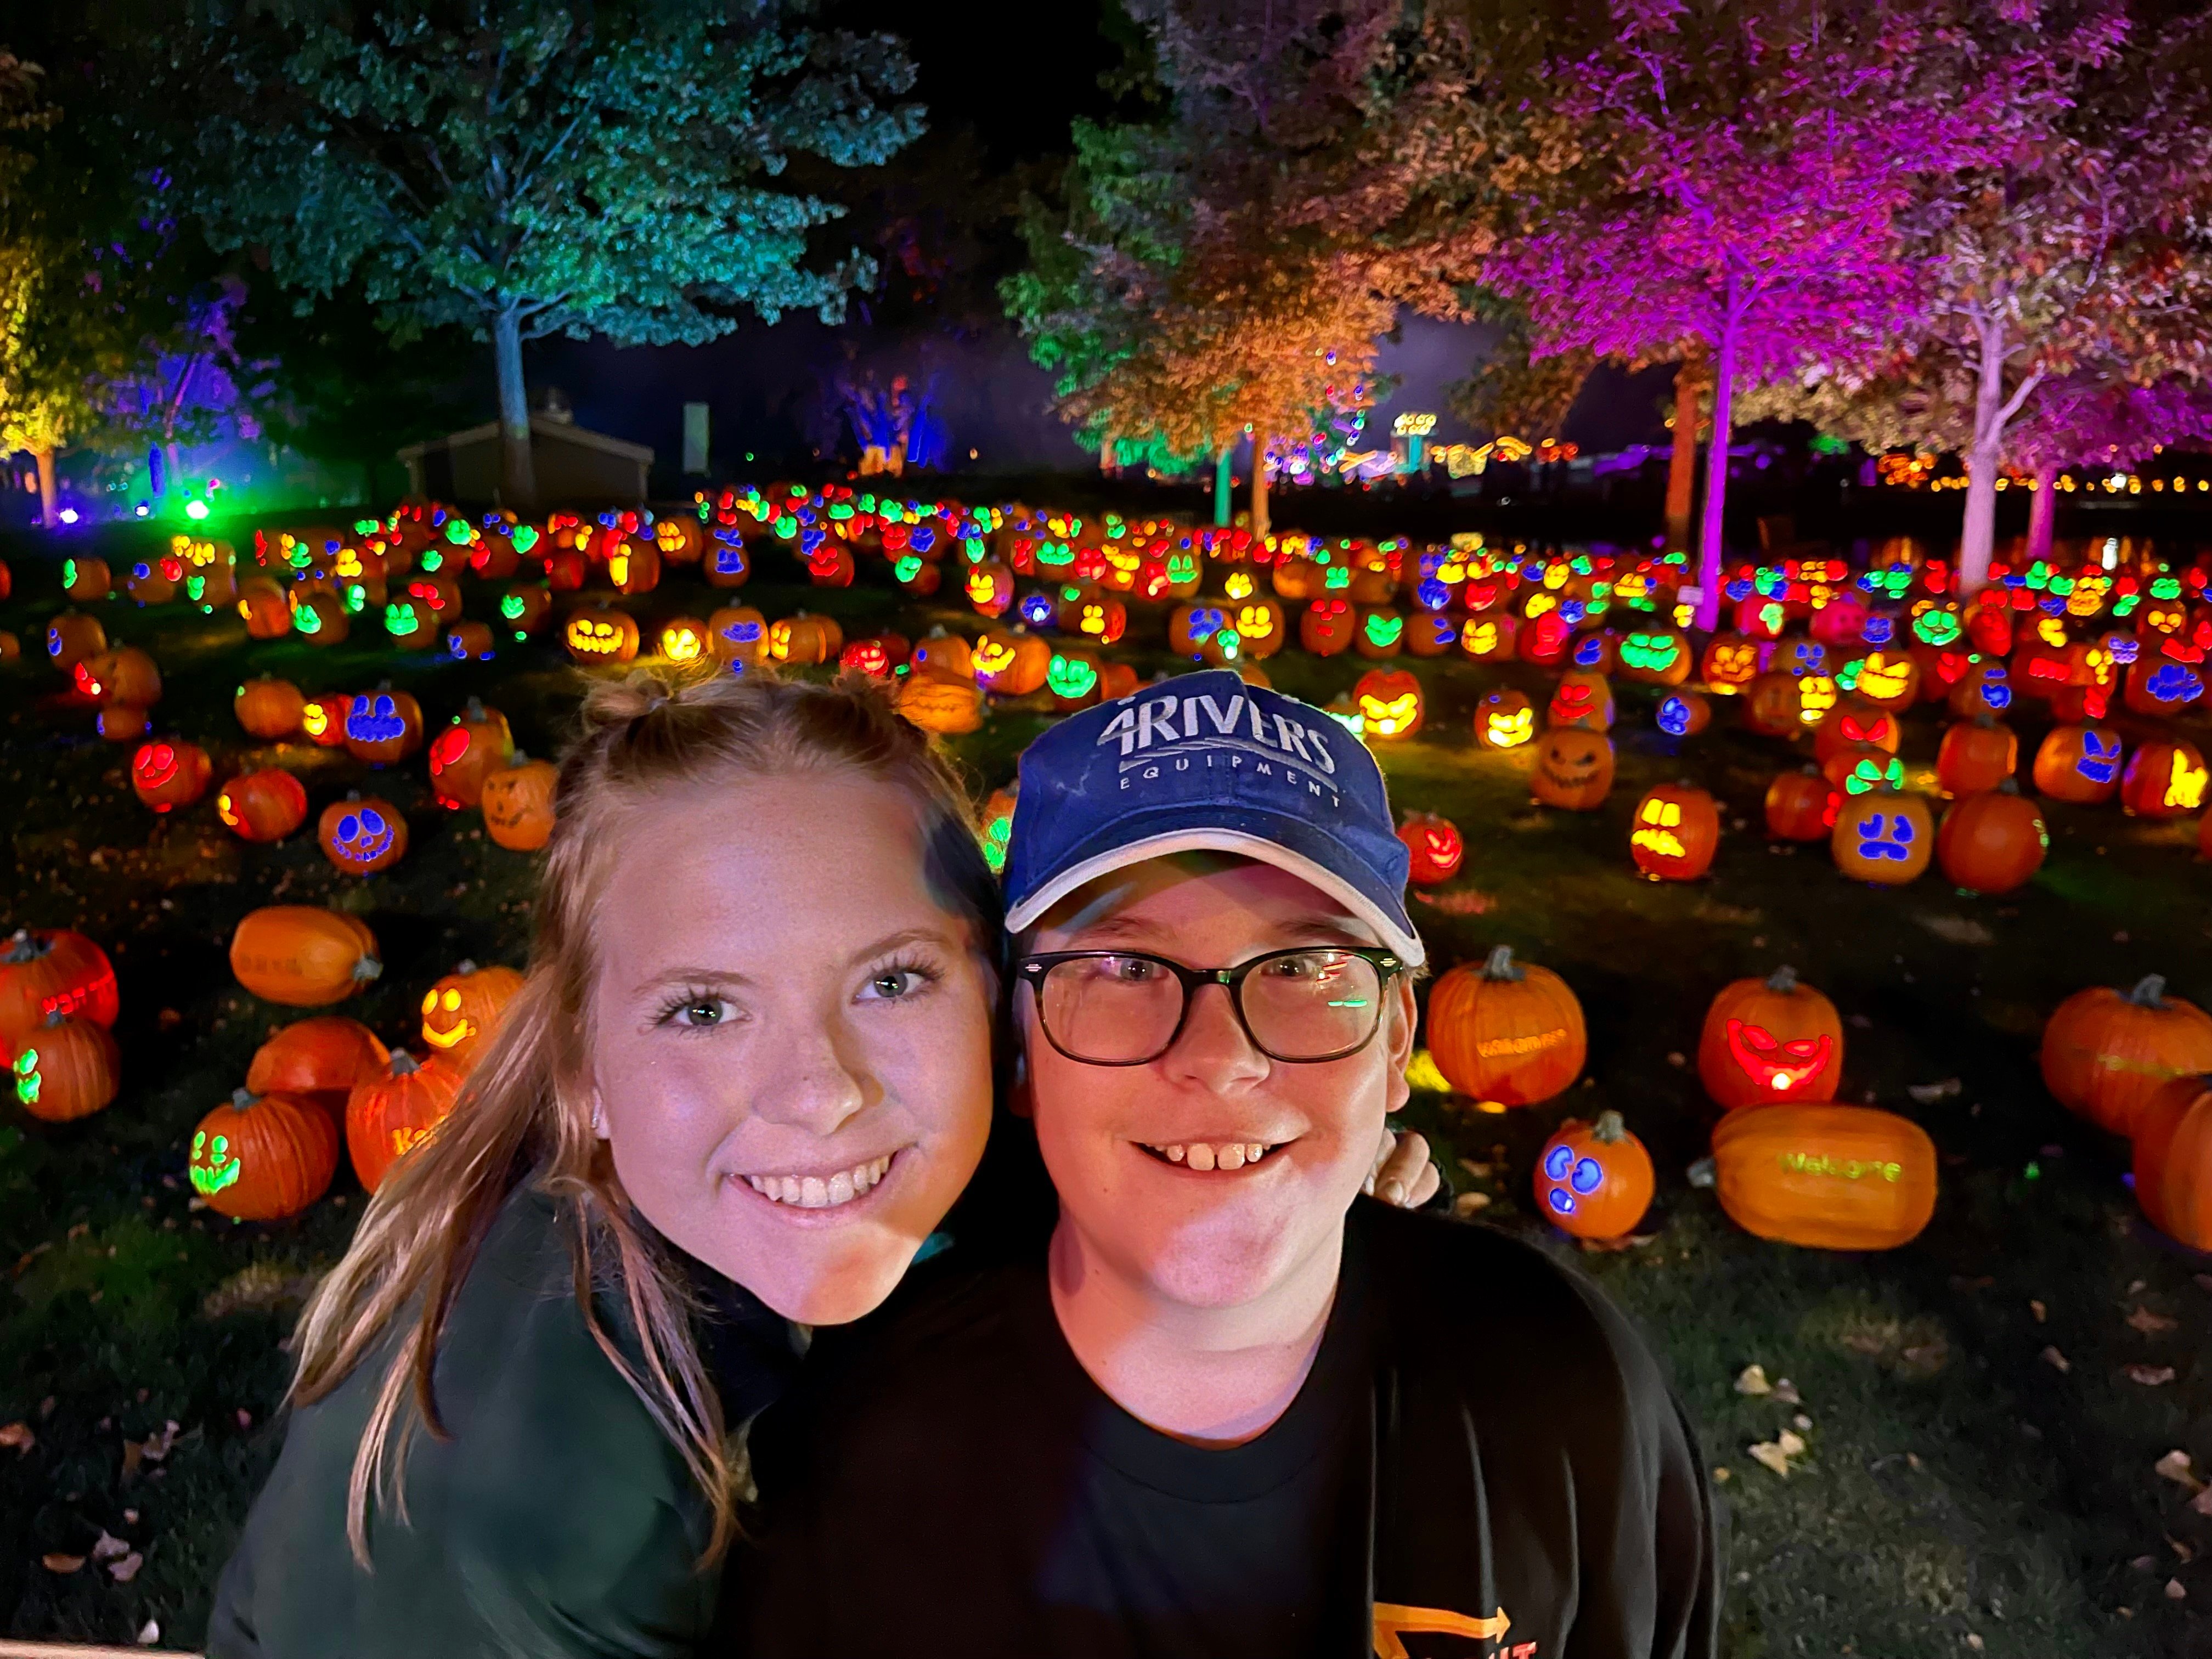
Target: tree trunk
<point x="46" y="460"/>
<point x="1223" y="505"/>
<point x="1977" y="536"/>
<point x="517" y="473"/>
<point x="1683" y="464"/>
<point x="1710" y="552"/>
<point x="1259" y="487"/>
<point x="2042" y="512"/>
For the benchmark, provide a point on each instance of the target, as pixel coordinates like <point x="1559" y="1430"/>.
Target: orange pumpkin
<point x="1769" y="1039"/>
<point x="2106" y="1053"/>
<point x="518" y="801"/>
<point x="1390" y="703"/>
<point x="1506" y="1032"/>
<point x="1774" y="704"/>
<point x="1885" y="836"/>
<point x="123" y="675"/>
<point x="634" y="565"/>
<point x="941" y="703"/>
<point x="1828" y="1178"/>
<point x="1976" y="754"/>
<point x="122" y="722"/>
<point x="2156" y="1125"/>
<point x="738" y="637"/>
<point x="477" y="745"/>
<point x="323" y="719"/>
<point x="1011" y="661"/>
<point x="261" y="602"/>
<point x="73" y="636"/>
<point x="1434" y="847"/>
<point x="1574" y="769"/>
<point x="1583" y="698"/>
<point x="321" y="617"/>
<point x="87" y="579"/>
<point x="361" y="837"/>
<point x="1992" y="841"/>
<point x="383" y="727"/>
<point x="1594" y="1181"/>
<point x="1802" y="805"/>
<point x="263" y="805"/>
<point x="600" y="634"/>
<point x="462" y="1010"/>
<point x="1504" y="720"/>
<point x="388" y="1115"/>
<point x="66" y="1068"/>
<point x="1327" y="627"/>
<point x="43" y="974"/>
<point x="802" y="640"/>
<point x="2164" y="778"/>
<point x="268" y="709"/>
<point x="319" y="1059"/>
<point x="262" y="1157"/>
<point x="303" y="955"/>
<point x="1856" y="723"/>
<point x="169" y="773"/>
<point x="2079" y="763"/>
<point x="2181" y="1170"/>
<point x="1674" y="833"/>
<point x="939" y="653"/>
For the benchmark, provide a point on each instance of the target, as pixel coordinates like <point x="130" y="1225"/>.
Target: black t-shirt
<point x="1482" y="1460"/>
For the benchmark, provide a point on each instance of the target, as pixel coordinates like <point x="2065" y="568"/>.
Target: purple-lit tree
<point x="2085" y="419"/>
<point x="1746" y="169"/>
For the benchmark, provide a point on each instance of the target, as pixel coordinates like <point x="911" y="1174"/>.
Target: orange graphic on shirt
<point x="1393" y="1622"/>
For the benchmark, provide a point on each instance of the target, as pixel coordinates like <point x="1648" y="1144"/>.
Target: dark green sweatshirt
<point x="558" y="1520"/>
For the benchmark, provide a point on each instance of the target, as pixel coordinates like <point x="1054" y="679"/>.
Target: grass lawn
<point x="1959" y="1493"/>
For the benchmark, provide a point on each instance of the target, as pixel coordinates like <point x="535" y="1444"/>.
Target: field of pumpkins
<point x="1825" y="981"/>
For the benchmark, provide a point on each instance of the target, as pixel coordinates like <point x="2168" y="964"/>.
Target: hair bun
<point x="618" y="703"/>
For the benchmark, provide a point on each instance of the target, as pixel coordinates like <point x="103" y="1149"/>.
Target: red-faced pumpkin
<point x="1504" y="720"/>
<point x="2079" y="763"/>
<point x="1583" y="698"/>
<point x="461" y="1012"/>
<point x="1674" y="833"/>
<point x="389" y="1115"/>
<point x="169" y="773"/>
<point x="56" y="972"/>
<point x="1506" y="1032"/>
<point x="1829" y="1177"/>
<point x="303" y="955"/>
<point x="1992" y="841"/>
<point x="65" y="1069"/>
<point x="1769" y="1039"/>
<point x="477" y="745"/>
<point x="1434" y="846"/>
<point x="2107" y="1052"/>
<point x="319" y="1059"/>
<point x="1594" y="1180"/>
<point x="1328" y="627"/>
<point x="263" y="805"/>
<point x="1855" y="724"/>
<point x="1389" y="701"/>
<point x="517" y="802"/>
<point x="1802" y="805"/>
<point x="1976" y="754"/>
<point x="1574" y="769"/>
<point x="361" y="837"/>
<point x="122" y="675"/>
<point x="2164" y="778"/>
<point x="262" y="1157"/>
<point x="1884" y="835"/>
<point x="269" y="709"/>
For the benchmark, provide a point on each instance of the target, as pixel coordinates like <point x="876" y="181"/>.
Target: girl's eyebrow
<point x="710" y="977"/>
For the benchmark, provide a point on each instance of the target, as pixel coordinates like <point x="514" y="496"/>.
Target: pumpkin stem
<point x="366" y="969"/>
<point x="1782" y="979"/>
<point x="403" y="1063"/>
<point x="518" y="758"/>
<point x="1499" y="965"/>
<point x="465" y="965"/>
<point x="2007" y="786"/>
<point x="22" y="947"/>
<point x="2150" y="992"/>
<point x="1703" y="1173"/>
<point x="474" y="711"/>
<point x="242" y="1099"/>
<point x="1609" y="1128"/>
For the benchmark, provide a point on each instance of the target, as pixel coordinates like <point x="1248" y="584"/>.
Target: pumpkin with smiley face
<point x="1390" y="703"/>
<point x="1574" y="769"/>
<point x="1654" y="656"/>
<point x="361" y="837"/>
<point x="1594" y="1181"/>
<point x="1435" y="846"/>
<point x="1583" y="698"/>
<point x="1073" y="679"/>
<point x="476" y="744"/>
<point x="1730" y="663"/>
<point x="1887" y="679"/>
<point x="1769" y="1040"/>
<point x="262" y="1157"/>
<point x="1504" y="720"/>
<point x="1378" y="634"/>
<point x="517" y="802"/>
<point x="601" y="634"/>
<point x="2079" y="763"/>
<point x="383" y="727"/>
<point x="1674" y="833"/>
<point x="169" y="773"/>
<point x="462" y="1010"/>
<point x="1490" y="637"/>
<point x="1010" y="662"/>
<point x="1191" y="627"/>
<point x="1328" y="627"/>
<point x="1884" y="836"/>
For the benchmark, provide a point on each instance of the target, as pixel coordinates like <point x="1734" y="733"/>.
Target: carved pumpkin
<point x="85" y="579"/>
<point x="1802" y="805"/>
<point x="1674" y="833"/>
<point x="1390" y="703"/>
<point x="383" y="727"/>
<point x="73" y="636"/>
<point x="263" y="805"/>
<point x="1506" y="1032"/>
<point x="2156" y="685"/>
<point x="303" y="955"/>
<point x="122" y="722"/>
<point x="1655" y="656"/>
<point x="523" y="610"/>
<point x="361" y="837"/>
<point x="1774" y="704"/>
<point x="990" y="588"/>
<point x="1888" y="680"/>
<point x="1011" y="662"/>
<point x="802" y="640"/>
<point x="1378" y="634"/>
<point x="1855" y="724"/>
<point x="1542" y="639"/>
<point x="1594" y="1181"/>
<point x="1769" y="1039"/>
<point x="1489" y="638"/>
<point x="2106" y="1053"/>
<point x="262" y="1157"/>
<point x="939" y="653"/>
<point x="1574" y="769"/>
<point x="319" y="1059"/>
<point x="634" y="566"/>
<point x="1883" y="836"/>
<point x="59" y="972"/>
<point x="1261" y="626"/>
<point x="1730" y="664"/>
<point x="726" y="563"/>
<point x="1436" y="847"/>
<point x="268" y="709"/>
<point x="736" y="634"/>
<point x="1504" y="720"/>
<point x="170" y="773"/>
<point x="518" y="801"/>
<point x="2164" y="778"/>
<point x="462" y="1010"/>
<point x="2079" y="763"/>
<point x="1328" y="628"/>
<point x="323" y="719"/>
<point x="940" y="702"/>
<point x="1073" y="679"/>
<point x="1583" y="698"/>
<point x="1992" y="841"/>
<point x="1976" y="754"/>
<point x="601" y="634"/>
<point x="1683" y="713"/>
<point x="477" y="745"/>
<point x="1986" y="688"/>
<point x="471" y="641"/>
<point x="388" y="1115"/>
<point x="1192" y="628"/>
<point x="268" y="614"/>
<point x="320" y="618"/>
<point x="65" y="1069"/>
<point x="1829" y="1177"/>
<point x="125" y="675"/>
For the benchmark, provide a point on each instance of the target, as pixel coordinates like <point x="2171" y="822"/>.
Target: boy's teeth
<point x="814" y="1193"/>
<point x="1200" y="1157"/>
<point x="1227" y="1155"/>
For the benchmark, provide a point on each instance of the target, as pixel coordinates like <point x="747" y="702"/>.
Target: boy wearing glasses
<point x="1232" y="1412"/>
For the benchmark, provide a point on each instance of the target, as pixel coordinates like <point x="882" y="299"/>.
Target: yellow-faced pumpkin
<point x="1674" y="832"/>
<point x="1389" y="701"/>
<point x="461" y="1012"/>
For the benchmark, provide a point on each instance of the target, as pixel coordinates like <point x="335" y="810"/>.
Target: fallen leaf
<point x="1973" y="1641"/>
<point x="1479" y="1171"/>
<point x="2151" y="1324"/>
<point x="1614" y="1246"/>
<point x="1786" y="1391"/>
<point x="1912" y="1461"/>
<point x="2202" y="1503"/>
<point x="107" y="1549"/>
<point x="19" y="1436"/>
<point x="1800" y="1421"/>
<point x="1790" y="1444"/>
<point x="1771" y="1455"/>
<point x="1467" y="1204"/>
<point x="1721" y="1473"/>
<point x="148" y="1633"/>
<point x="2038" y="1310"/>
<point x="2185" y="1553"/>
<point x="2058" y="1361"/>
<point x="1677" y="1058"/>
<point x="2145" y="1564"/>
<point x="2151" y="1377"/>
<point x="1751" y="1379"/>
<point x="2175" y="1466"/>
<point x="61" y="1563"/>
<point x="124" y="1570"/>
<point x="1466" y="902"/>
<point x="156" y="1446"/>
<point x="2174" y="1592"/>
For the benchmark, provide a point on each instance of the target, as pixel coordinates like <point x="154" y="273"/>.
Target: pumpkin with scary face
<point x="262" y="1157"/>
<point x="1731" y="662"/>
<point x="169" y="773"/>
<point x="1436" y="847"/>
<point x="601" y="634"/>
<point x="1504" y="720"/>
<point x="383" y="727"/>
<point x="361" y="836"/>
<point x="1389" y="701"/>
<point x="462" y="1010"/>
<point x="1594" y="1181"/>
<point x="1485" y="638"/>
<point x="1856" y="723"/>
<point x="1884" y="836"/>
<point x="2164" y="778"/>
<point x="1574" y="769"/>
<point x="518" y="800"/>
<point x="1583" y="698"/>
<point x="1771" y="1040"/>
<point x="1976" y="754"/>
<point x="2079" y="763"/>
<point x="1674" y="832"/>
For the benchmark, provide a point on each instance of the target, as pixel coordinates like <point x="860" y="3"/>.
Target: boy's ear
<point x="1404" y="1017"/>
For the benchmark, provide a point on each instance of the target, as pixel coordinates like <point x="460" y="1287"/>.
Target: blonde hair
<point x="525" y="1114"/>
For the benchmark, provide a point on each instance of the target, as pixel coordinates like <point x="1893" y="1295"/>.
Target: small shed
<point x="573" y="464"/>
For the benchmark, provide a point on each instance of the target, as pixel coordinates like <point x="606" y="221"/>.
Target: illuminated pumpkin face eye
<point x="1238" y="587"/>
<point x="157" y="764"/>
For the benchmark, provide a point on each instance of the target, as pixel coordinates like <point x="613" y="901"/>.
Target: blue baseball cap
<point x="1206" y="761"/>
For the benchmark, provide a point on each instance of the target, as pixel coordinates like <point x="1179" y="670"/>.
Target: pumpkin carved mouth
<point x="1780" y="1067"/>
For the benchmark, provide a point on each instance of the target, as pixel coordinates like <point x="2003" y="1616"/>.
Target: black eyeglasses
<point x="1124" y="1008"/>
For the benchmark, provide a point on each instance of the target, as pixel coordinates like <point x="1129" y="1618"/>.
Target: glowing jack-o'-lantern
<point x="1484" y="638"/>
<point x="262" y="1157"/>
<point x="1073" y="679"/>
<point x="1543" y="638"/>
<point x="1683" y="713"/>
<point x="1435" y="847"/>
<point x="601" y="634"/>
<point x="2157" y="686"/>
<point x="1328" y="627"/>
<point x="1854" y="724"/>
<point x="2079" y="763"/>
<point x="517" y="802"/>
<point x="1389" y="701"/>
<point x="361" y="836"/>
<point x="2164" y="778"/>
<point x="1583" y="698"/>
<point x="389" y="1114"/>
<point x="461" y="1012"/>
<point x="1885" y="836"/>
<point x="56" y="972"/>
<point x="726" y="564"/>
<point x="736" y="634"/>
<point x="1260" y="624"/>
<point x="263" y="805"/>
<point x="169" y="773"/>
<point x="1655" y="657"/>
<point x="990" y="588"/>
<point x="683" y="640"/>
<point x="802" y="640"/>
<point x="1816" y="695"/>
<point x="1011" y="662"/>
<point x="1104" y="621"/>
<point x="476" y="744"/>
<point x="1887" y="679"/>
<point x="1674" y="832"/>
<point x="1504" y="720"/>
<point x="1574" y="769"/>
<point x="1770" y="1040"/>
<point x="1985" y="687"/>
<point x="1381" y="634"/>
<point x="383" y="727"/>
<point x="1731" y="664"/>
<point x="1802" y="805"/>
<point x="1594" y="1181"/>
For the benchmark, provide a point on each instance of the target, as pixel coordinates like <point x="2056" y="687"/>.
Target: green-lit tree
<point x="527" y="168"/>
